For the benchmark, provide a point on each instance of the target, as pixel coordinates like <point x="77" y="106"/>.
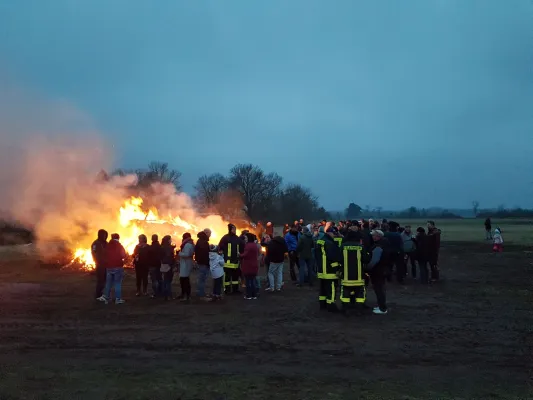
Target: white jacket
<point x="216" y="265"/>
<point x="498" y="238"/>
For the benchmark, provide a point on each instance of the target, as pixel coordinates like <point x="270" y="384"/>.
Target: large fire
<point x="132" y="221"/>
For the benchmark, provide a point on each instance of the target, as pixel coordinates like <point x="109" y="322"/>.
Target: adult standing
<point x="114" y="261"/>
<point x="488" y="229"/>
<point x="433" y="250"/>
<point x="186" y="265"/>
<point x="291" y="238"/>
<point x="377" y="268"/>
<point x="275" y="252"/>
<point x="141" y="262"/>
<point x="168" y="261"/>
<point x="304" y="250"/>
<point x="155" y="267"/>
<point x="409" y="248"/>
<point x="98" y="253"/>
<point x="201" y="255"/>
<point x="231" y="246"/>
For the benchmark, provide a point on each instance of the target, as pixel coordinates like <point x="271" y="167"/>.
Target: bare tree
<point x="159" y="172"/>
<point x="209" y="188"/>
<point x="475" y="207"/>
<point x="258" y="190"/>
<point x="298" y="202"/>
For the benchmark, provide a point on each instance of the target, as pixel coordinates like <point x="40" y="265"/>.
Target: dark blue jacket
<point x="395" y="241"/>
<point x="292" y="240"/>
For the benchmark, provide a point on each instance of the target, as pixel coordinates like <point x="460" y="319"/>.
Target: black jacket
<point x="231" y="246"/>
<point x="141" y="256"/>
<point x="201" y="250"/>
<point x="276" y="250"/>
<point x="98" y="252"/>
<point x="155" y="255"/>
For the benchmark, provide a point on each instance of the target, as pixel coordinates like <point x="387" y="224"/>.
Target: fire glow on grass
<point x="133" y="221"/>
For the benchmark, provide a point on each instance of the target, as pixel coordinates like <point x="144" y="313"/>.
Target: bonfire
<point x="132" y="220"/>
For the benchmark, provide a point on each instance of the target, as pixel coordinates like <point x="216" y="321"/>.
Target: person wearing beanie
<point x="201" y="256"/>
<point x="216" y="266"/>
<point x="498" y="241"/>
<point x="328" y="258"/>
<point x="186" y="265"/>
<point x="231" y="246"/>
<point x="114" y="261"/>
<point x="421" y="254"/>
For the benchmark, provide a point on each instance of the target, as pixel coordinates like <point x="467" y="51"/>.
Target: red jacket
<point x="250" y="259"/>
<point x="114" y="254"/>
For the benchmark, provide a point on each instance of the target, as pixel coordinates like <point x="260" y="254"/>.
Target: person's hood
<point x="203" y="236"/>
<point x="497" y="231"/>
<point x="102" y="235"/>
<point x="308" y="234"/>
<point x="156" y="243"/>
<point x="310" y="227"/>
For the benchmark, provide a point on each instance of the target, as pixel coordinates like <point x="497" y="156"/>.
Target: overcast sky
<point x="384" y="103"/>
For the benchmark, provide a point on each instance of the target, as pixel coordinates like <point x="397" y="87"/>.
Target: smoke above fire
<point x="50" y="157"/>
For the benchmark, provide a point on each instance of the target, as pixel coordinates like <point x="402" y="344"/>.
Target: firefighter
<point x="353" y="282"/>
<point x="328" y="257"/>
<point x="231" y="246"/>
<point x="337" y="237"/>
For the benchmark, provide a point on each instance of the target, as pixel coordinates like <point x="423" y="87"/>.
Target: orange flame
<point x="132" y="221"/>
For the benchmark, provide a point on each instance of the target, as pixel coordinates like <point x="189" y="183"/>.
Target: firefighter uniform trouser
<point x="352" y="294"/>
<point x="327" y="291"/>
<point x="231" y="279"/>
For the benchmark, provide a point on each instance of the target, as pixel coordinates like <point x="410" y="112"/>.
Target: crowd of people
<point x="341" y="258"/>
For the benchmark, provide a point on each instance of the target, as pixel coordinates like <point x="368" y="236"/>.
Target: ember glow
<point x="132" y="220"/>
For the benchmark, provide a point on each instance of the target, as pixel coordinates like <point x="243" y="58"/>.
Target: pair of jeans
<point x="217" y="286"/>
<point x="114" y="278"/>
<point x="167" y="283"/>
<point x="293" y="260"/>
<point x="251" y="290"/>
<point x="157" y="281"/>
<point x="185" y="283"/>
<point x="101" y="276"/>
<point x="411" y="257"/>
<point x="306" y="271"/>
<point x="399" y="262"/>
<point x="275" y="275"/>
<point x="378" y="283"/>
<point x="424" y="272"/>
<point x="141" y="275"/>
<point x="203" y="273"/>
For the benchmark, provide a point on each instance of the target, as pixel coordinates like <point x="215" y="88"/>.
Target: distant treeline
<point x="11" y="234"/>
<point x="506" y="213"/>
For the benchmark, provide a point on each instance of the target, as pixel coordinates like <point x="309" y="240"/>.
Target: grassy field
<point x="468" y="337"/>
<point x="515" y="231"/>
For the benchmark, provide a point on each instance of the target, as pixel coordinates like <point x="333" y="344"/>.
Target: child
<point x="498" y="241"/>
<point x="216" y="265"/>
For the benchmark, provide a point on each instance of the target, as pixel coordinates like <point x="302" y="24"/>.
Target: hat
<point x="207" y="231"/>
<point x="231" y="226"/>
<point x="213" y="248"/>
<point x="269" y="223"/>
<point x="115" y="236"/>
<point x="305" y="229"/>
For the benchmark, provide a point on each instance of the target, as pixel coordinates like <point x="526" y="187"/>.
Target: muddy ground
<point x="468" y="337"/>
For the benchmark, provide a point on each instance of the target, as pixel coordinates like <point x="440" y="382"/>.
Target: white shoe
<point x="375" y="308"/>
<point x="379" y="312"/>
<point x="103" y="299"/>
<point x="120" y="301"/>
<point x="269" y="290"/>
<point x="254" y="298"/>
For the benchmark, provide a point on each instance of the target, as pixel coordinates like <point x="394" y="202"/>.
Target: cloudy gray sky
<point x="386" y="103"/>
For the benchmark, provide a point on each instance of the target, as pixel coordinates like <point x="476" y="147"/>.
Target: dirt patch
<point x="467" y="337"/>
